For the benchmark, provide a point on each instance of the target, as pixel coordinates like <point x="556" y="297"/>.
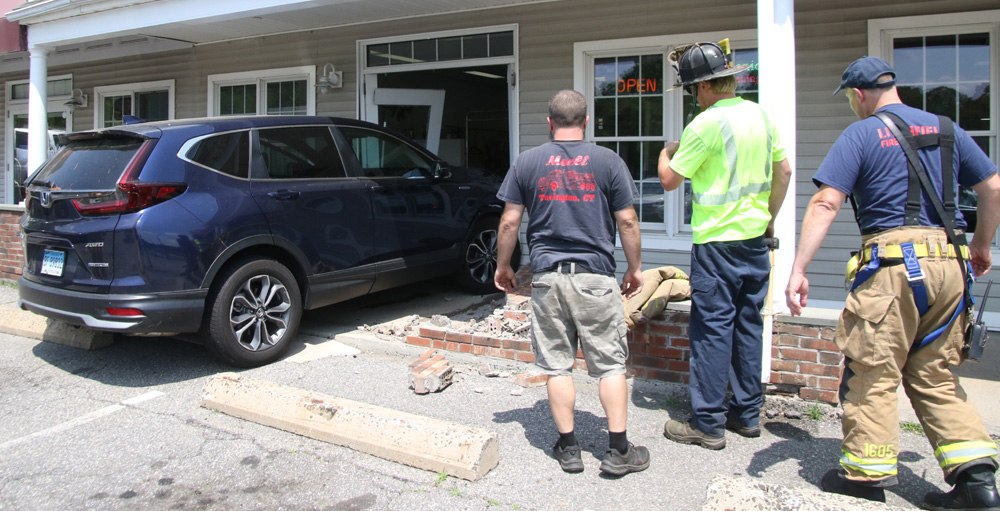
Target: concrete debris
<point x="517" y="391"/>
<point x="394" y="330"/>
<point x="430" y="373"/>
<point x="488" y="370"/>
<point x="741" y="493"/>
<point x="486" y="319"/>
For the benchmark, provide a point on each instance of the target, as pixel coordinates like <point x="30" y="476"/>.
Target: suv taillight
<point x="131" y="195"/>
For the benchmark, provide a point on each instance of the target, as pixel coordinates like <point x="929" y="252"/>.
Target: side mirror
<point x="441" y="172"/>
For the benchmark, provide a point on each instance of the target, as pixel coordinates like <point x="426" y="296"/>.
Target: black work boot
<point x="976" y="488"/>
<point x="836" y="481"/>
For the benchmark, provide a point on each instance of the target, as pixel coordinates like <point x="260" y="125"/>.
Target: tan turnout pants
<point x="879" y="325"/>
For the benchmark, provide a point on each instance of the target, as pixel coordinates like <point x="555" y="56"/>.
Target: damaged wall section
<point x="804" y="360"/>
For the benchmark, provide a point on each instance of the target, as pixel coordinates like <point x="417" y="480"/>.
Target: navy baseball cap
<point x="863" y="74"/>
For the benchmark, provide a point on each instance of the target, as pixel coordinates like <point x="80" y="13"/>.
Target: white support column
<point x="776" y="51"/>
<point x="38" y="117"/>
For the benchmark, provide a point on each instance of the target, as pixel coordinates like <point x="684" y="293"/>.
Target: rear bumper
<point x="166" y="312"/>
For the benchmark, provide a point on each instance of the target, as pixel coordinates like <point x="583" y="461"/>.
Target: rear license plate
<point x="52" y="262"/>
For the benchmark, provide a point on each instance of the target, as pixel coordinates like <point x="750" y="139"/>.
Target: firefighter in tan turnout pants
<point x="904" y="316"/>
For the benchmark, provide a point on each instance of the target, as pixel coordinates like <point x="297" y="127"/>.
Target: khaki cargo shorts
<point x="578" y="310"/>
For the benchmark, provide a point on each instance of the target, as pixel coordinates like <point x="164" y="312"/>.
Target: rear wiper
<point x="47" y="184"/>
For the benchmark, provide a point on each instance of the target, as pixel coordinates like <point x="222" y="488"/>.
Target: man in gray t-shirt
<point x="575" y="194"/>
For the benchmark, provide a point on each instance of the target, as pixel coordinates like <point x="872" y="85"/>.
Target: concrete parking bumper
<point x="15" y="321"/>
<point x="431" y="444"/>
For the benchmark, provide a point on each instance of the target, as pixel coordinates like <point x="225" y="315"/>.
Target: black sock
<point x="567" y="440"/>
<point x="618" y="441"/>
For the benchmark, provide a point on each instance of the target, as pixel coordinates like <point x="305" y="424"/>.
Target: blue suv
<point x="230" y="227"/>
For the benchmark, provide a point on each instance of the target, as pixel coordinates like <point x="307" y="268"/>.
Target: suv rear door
<point x="298" y="180"/>
<point x="64" y="247"/>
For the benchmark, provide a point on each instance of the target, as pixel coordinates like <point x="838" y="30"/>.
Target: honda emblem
<point x="45" y="198"/>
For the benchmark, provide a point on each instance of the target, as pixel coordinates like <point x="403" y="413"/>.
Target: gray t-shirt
<point x="570" y="191"/>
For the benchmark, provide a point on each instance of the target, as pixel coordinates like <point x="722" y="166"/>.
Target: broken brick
<point x="430" y="373"/>
<point x="532" y="379"/>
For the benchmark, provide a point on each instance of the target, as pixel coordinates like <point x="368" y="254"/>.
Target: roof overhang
<point x="55" y="23"/>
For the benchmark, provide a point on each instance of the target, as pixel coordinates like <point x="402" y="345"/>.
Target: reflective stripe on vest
<point x="962" y="452"/>
<point x="733" y="190"/>
<point x="875" y="467"/>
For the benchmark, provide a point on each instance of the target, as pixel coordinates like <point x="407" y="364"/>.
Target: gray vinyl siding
<point x="829" y="35"/>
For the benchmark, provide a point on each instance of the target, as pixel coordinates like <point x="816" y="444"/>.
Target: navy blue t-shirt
<point x="570" y="191"/>
<point x="866" y="162"/>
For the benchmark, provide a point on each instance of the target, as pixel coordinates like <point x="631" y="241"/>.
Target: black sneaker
<point x="636" y="459"/>
<point x="835" y="481"/>
<point x="569" y="458"/>
<point x="741" y="430"/>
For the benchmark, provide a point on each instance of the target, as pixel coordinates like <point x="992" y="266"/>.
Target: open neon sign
<point x="633" y="85"/>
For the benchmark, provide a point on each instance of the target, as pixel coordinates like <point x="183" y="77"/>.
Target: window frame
<point x="674" y="235"/>
<point x="132" y="88"/>
<point x="882" y="32"/>
<point x="260" y="79"/>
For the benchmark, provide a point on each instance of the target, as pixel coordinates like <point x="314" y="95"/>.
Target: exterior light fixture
<point x="79" y="99"/>
<point x="331" y="79"/>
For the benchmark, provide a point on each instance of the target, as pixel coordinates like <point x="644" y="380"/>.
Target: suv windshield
<point x="89" y="164"/>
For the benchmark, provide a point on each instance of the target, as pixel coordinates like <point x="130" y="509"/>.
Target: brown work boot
<point x="976" y="488"/>
<point x="741" y="430"/>
<point x="682" y="432"/>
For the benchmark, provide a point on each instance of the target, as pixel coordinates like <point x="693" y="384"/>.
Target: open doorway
<point x="474" y="120"/>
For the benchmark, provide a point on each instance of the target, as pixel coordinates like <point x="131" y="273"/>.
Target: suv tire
<point x="480" y="263"/>
<point x="254" y="310"/>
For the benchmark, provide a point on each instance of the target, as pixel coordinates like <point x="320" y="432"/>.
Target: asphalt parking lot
<point x="121" y="428"/>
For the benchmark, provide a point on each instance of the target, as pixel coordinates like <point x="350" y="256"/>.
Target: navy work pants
<point x="728" y="286"/>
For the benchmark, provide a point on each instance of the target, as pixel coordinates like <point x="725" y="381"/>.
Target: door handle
<point x="284" y="195"/>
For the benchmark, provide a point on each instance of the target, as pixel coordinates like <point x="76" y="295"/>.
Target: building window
<point x="56" y="87"/>
<point x="947" y="65"/>
<point x="633" y="114"/>
<point x="440" y="49"/>
<point x="149" y="101"/>
<point x="287" y="91"/>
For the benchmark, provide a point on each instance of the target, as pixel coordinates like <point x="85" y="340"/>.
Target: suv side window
<point x="228" y="153"/>
<point x="382" y="155"/>
<point x="301" y="152"/>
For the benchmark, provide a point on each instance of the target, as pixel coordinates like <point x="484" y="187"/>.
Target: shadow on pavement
<point x="591" y="430"/>
<point x="134" y="361"/>
<point x="818" y="455"/>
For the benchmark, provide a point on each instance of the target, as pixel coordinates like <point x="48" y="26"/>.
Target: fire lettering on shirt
<point x="888" y="140"/>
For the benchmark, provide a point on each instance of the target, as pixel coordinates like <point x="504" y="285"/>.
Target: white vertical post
<point x="776" y="51"/>
<point x="38" y="117"/>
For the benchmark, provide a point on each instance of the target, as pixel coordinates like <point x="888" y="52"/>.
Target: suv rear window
<point x="89" y="164"/>
<point x="227" y="153"/>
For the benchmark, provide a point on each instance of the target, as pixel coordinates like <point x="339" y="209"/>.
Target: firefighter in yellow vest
<point x="739" y="175"/>
<point x="904" y="317"/>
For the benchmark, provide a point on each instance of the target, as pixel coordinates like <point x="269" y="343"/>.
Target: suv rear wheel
<point x="480" y="262"/>
<point x="253" y="313"/>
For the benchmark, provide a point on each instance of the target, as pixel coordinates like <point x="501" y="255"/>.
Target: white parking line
<point x="83" y="419"/>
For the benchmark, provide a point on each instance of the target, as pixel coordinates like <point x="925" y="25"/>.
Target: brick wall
<point x="11" y="249"/>
<point x="804" y="360"/>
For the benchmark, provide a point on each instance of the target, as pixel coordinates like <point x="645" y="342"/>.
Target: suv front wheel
<point x="253" y="313"/>
<point x="480" y="263"/>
